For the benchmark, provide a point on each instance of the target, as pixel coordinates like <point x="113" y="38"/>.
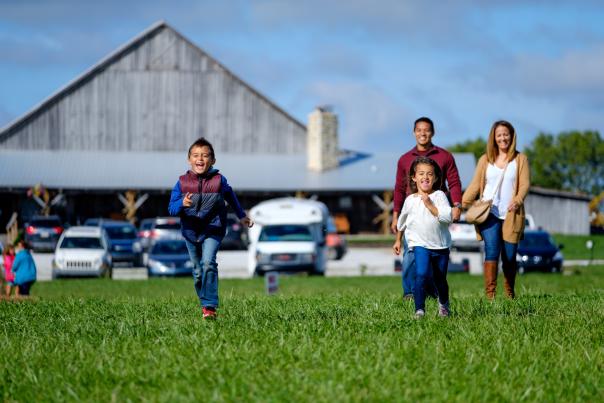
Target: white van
<point x="82" y="251"/>
<point x="288" y="235"/>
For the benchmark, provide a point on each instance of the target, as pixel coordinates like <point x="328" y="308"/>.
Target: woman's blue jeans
<point x="427" y="262"/>
<point x="205" y="269"/>
<point x="494" y="245"/>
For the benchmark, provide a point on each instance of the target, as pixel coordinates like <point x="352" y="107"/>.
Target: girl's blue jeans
<point x="409" y="273"/>
<point x="494" y="245"/>
<point x="435" y="262"/>
<point x="205" y="269"/>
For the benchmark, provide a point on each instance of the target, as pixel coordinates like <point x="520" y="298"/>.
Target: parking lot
<point x="232" y="264"/>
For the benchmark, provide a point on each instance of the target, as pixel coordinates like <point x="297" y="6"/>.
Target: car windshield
<point x="121" y="232"/>
<point x="81" y="243"/>
<point x="146" y="225"/>
<point x="285" y="233"/>
<point x="170" y="226"/>
<point x="45" y="223"/>
<point x="170" y="248"/>
<point x="537" y="241"/>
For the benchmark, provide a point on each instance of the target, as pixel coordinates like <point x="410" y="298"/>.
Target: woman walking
<point x="502" y="175"/>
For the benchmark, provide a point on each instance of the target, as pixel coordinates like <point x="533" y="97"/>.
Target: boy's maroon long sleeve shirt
<point x="445" y="161"/>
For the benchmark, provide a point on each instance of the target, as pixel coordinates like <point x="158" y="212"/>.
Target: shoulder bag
<point x="480" y="209"/>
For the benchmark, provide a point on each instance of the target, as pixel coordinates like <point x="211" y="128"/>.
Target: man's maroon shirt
<point x="445" y="161"/>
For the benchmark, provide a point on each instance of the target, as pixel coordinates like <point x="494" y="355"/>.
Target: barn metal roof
<point x="87" y="170"/>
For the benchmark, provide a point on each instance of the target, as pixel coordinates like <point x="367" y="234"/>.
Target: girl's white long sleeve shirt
<point x="421" y="227"/>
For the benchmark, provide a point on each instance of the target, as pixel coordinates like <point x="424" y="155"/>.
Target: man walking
<point x="423" y="131"/>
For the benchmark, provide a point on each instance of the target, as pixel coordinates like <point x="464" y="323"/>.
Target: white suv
<point x="82" y="251"/>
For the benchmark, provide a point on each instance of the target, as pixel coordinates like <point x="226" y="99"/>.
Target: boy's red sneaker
<point x="209" y="312"/>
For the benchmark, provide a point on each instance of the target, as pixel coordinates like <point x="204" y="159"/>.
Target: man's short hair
<point x="425" y="120"/>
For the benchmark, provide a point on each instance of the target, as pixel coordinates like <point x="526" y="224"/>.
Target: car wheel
<point x="108" y="273"/>
<point x="332" y="254"/>
<point x="521" y="270"/>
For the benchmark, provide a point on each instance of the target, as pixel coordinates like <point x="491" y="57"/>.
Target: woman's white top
<point x="421" y="227"/>
<point x="503" y="198"/>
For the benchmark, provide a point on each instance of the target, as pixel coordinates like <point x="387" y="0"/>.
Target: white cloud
<point x="574" y="72"/>
<point x="369" y="119"/>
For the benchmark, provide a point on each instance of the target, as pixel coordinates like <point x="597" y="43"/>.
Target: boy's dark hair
<point x="202" y="142"/>
<point x="428" y="161"/>
<point x="425" y="120"/>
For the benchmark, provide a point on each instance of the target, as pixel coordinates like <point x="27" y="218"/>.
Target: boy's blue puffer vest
<point x="207" y="214"/>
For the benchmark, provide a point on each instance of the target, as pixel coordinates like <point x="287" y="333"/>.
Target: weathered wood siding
<point x="160" y="95"/>
<point x="559" y="215"/>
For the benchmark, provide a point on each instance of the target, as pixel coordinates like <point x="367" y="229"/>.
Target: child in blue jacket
<point x="24" y="269"/>
<point x="198" y="199"/>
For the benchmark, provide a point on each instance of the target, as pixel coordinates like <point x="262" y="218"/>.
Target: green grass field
<point x="574" y="245"/>
<point x="320" y="339"/>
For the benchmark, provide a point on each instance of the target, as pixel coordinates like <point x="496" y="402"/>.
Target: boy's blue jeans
<point x="408" y="265"/>
<point x="205" y="269"/>
<point x="494" y="245"/>
<point x="435" y="261"/>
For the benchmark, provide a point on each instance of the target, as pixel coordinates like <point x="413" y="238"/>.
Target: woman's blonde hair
<point x="493" y="150"/>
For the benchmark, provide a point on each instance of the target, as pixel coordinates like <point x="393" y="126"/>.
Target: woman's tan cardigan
<point x="513" y="225"/>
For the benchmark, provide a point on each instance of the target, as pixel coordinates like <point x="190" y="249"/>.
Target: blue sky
<point x="380" y="63"/>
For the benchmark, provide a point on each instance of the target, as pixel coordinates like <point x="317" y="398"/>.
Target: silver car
<point x="82" y="251"/>
<point x="154" y="229"/>
<point x="169" y="257"/>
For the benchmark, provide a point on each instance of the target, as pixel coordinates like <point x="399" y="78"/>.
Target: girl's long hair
<point x="493" y="150"/>
<point x="428" y="161"/>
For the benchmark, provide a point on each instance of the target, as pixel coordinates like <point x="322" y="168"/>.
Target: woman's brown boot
<point x="509" y="280"/>
<point x="490" y="279"/>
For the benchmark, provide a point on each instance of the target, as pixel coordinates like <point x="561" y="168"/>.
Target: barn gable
<point x="158" y="92"/>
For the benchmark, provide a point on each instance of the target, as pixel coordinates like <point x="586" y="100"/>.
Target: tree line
<point x="571" y="161"/>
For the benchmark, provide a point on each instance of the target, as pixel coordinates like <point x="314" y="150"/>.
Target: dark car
<point x="336" y="244"/>
<point x="98" y="222"/>
<point x="43" y="232"/>
<point x="538" y="252"/>
<point x="236" y="234"/>
<point x="169" y="257"/>
<point x="124" y="245"/>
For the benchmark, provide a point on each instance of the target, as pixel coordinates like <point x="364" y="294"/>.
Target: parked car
<point x="144" y="232"/>
<point x="336" y="244"/>
<point x="82" y="251"/>
<point x="124" y="244"/>
<point x="98" y="221"/>
<point x="538" y="252"/>
<point x="463" y="236"/>
<point x="43" y="232"/>
<point x="159" y="228"/>
<point x="236" y="234"/>
<point x="169" y="257"/>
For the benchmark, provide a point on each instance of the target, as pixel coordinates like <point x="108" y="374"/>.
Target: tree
<point x="572" y="161"/>
<point x="476" y="147"/>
